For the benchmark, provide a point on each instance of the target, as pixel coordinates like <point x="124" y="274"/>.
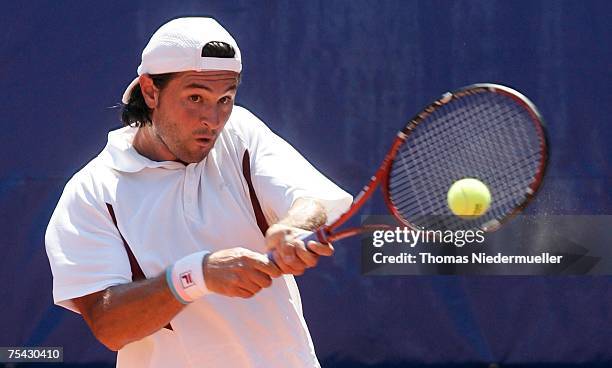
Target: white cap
<point x="177" y="47"/>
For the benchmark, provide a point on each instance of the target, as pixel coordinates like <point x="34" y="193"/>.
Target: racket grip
<point x="306" y="237"/>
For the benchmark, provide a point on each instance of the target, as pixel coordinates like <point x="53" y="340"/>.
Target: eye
<point x="195" y="98"/>
<point x="225" y="100"/>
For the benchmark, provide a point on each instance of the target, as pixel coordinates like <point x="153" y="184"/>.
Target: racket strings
<point x="457" y="143"/>
<point x="480" y="174"/>
<point x="465" y="155"/>
<point x="488" y="136"/>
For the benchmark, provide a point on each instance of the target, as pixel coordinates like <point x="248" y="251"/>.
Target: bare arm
<point x="125" y="313"/>
<point x="305" y="213"/>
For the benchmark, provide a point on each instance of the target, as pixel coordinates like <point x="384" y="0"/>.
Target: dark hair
<point x="136" y="113"/>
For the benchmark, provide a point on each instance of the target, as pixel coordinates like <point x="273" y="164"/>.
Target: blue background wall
<point x="335" y="78"/>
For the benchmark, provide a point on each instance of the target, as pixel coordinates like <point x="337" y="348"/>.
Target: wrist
<point x="185" y="277"/>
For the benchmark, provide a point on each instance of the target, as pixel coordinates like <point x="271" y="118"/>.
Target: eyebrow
<point x="205" y="87"/>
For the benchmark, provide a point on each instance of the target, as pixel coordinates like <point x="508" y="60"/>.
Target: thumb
<point x="276" y="236"/>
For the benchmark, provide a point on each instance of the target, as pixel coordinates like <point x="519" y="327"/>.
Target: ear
<point x="149" y="91"/>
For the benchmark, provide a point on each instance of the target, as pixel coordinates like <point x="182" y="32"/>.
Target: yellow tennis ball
<point x="469" y="197"/>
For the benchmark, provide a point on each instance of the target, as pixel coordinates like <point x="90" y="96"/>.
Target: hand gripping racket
<point x="484" y="131"/>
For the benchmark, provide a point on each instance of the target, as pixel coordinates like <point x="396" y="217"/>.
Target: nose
<point x="210" y="116"/>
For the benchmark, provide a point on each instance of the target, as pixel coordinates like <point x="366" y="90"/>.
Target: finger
<point x="242" y="293"/>
<point x="287" y="252"/>
<point x="285" y="267"/>
<point x="261" y="279"/>
<point x="300" y="262"/>
<point x="266" y="265"/>
<point x="248" y="285"/>
<point x="321" y="249"/>
<point x="308" y="257"/>
<point x="282" y="265"/>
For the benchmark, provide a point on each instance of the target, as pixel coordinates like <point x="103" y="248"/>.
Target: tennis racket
<point x="484" y="131"/>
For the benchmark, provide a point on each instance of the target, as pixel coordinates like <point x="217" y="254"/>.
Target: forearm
<point x="125" y="313"/>
<point x="305" y="213"/>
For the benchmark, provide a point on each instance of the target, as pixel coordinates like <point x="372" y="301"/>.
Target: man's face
<point x="191" y="111"/>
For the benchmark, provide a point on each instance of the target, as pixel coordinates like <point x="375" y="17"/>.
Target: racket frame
<point x="329" y="233"/>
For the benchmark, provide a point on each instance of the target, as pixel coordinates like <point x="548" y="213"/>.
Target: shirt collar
<point x="120" y="154"/>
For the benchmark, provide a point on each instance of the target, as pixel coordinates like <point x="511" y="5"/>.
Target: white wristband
<point x="186" y="278"/>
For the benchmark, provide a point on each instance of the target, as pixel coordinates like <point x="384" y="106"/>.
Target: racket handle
<point x="306" y="237"/>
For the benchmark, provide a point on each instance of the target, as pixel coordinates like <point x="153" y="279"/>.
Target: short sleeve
<point x="281" y="175"/>
<point x="85" y="249"/>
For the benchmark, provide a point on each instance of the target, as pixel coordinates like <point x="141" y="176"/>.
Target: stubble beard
<point x="172" y="142"/>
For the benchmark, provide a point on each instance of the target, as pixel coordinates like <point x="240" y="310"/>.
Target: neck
<point x="149" y="145"/>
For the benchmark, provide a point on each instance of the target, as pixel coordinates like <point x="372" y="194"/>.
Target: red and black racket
<point x="484" y="131"/>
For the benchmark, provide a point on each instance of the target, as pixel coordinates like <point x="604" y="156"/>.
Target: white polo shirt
<point x="165" y="211"/>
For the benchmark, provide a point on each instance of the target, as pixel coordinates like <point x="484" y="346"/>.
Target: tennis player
<point x="182" y="197"/>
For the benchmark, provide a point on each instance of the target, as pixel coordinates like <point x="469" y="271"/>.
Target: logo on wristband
<point x="186" y="279"/>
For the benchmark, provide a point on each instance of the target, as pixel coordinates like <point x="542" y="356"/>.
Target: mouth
<point x="204" y="141"/>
